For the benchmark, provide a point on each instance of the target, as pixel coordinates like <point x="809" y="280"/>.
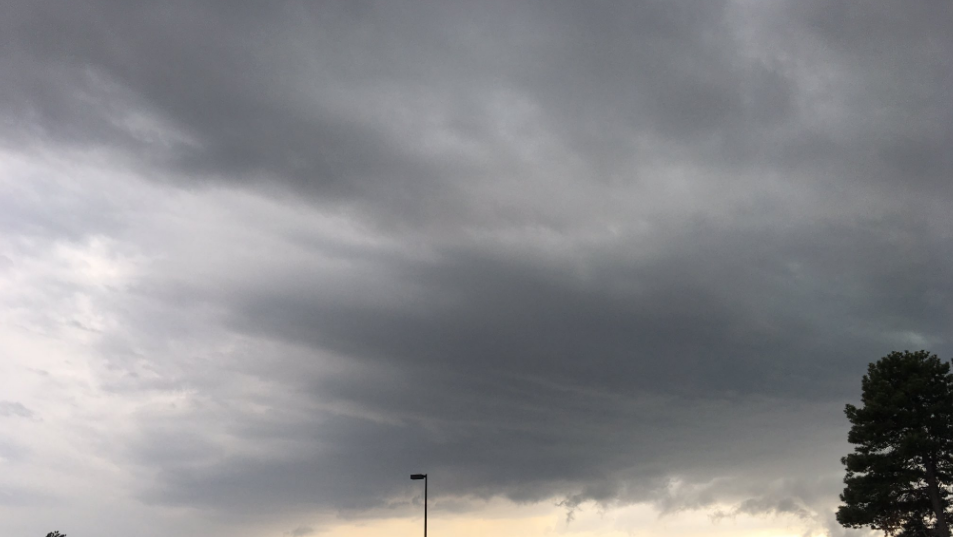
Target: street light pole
<point x="424" y="477"/>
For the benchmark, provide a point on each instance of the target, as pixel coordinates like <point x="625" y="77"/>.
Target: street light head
<point x="419" y="476"/>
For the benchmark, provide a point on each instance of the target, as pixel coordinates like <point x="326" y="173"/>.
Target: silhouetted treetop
<point x="899" y="477"/>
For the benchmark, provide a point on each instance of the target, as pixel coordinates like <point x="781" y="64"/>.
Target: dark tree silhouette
<point x="55" y="534"/>
<point x="900" y="474"/>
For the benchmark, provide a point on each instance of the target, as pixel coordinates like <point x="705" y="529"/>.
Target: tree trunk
<point x="940" y="529"/>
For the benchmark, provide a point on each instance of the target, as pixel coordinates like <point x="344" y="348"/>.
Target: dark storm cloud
<point x="318" y="96"/>
<point x="809" y="234"/>
<point x="210" y="75"/>
<point x="259" y="88"/>
<point x="893" y="82"/>
<point x="503" y="380"/>
<point x="312" y="95"/>
<point x="731" y="309"/>
<point x="598" y="447"/>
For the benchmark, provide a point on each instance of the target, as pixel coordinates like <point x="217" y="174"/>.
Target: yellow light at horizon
<point x="501" y="519"/>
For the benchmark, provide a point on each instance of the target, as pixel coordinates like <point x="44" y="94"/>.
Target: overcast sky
<point x="599" y="268"/>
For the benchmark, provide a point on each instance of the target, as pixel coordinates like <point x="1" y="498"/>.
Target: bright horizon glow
<point x="502" y="518"/>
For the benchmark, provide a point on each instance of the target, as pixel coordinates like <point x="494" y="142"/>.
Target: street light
<point x="424" y="477"/>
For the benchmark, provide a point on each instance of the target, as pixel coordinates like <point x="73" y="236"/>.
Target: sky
<point x="600" y="269"/>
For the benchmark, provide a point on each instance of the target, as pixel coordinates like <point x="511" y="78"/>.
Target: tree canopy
<point x="899" y="477"/>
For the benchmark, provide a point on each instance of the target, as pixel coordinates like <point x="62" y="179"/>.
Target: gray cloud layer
<point x="604" y="245"/>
